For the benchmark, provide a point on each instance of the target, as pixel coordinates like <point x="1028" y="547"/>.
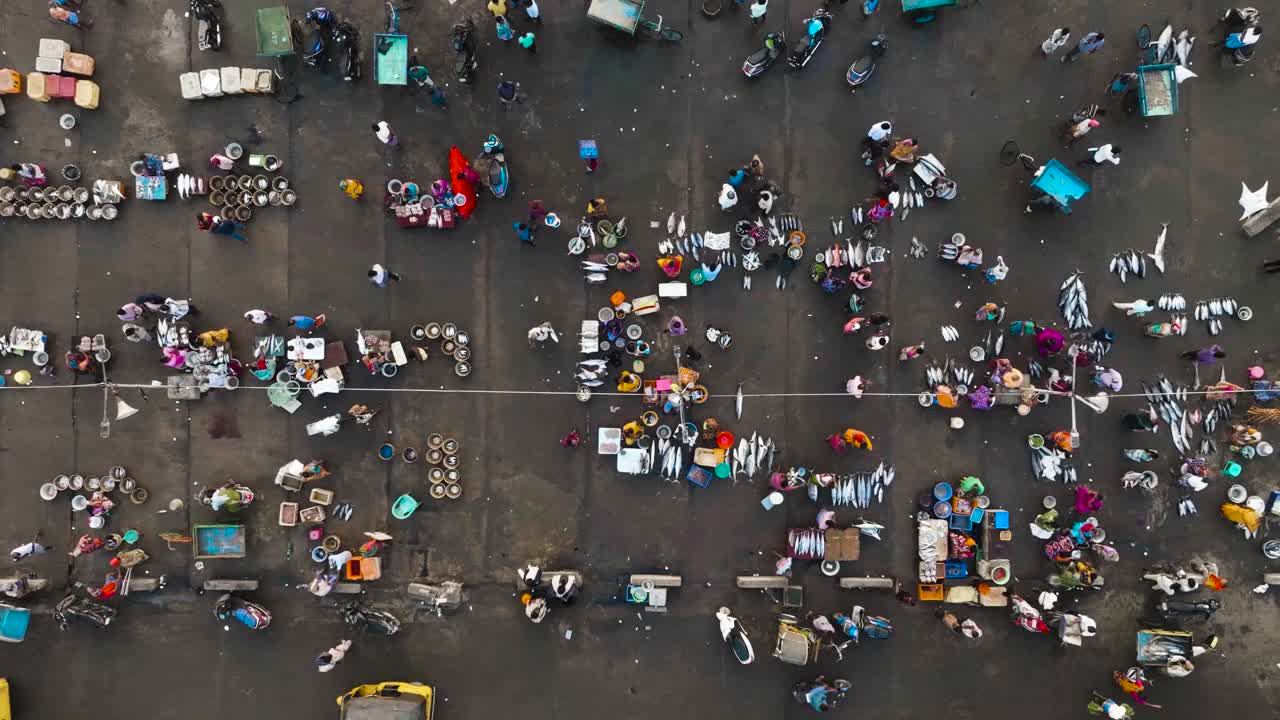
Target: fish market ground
<point x="670" y="121"/>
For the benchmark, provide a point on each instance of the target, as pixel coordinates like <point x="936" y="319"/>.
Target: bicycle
<point x="393" y="18"/>
<point x="666" y="33"/>
<point x="1010" y="153"/>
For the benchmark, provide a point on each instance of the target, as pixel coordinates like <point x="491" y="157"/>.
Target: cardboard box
<point x="842" y="545"/>
<point x="87" y="94"/>
<point x="78" y="64"/>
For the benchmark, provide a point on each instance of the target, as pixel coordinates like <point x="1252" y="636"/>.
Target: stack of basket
<point x="53" y="203"/>
<point x="454" y="343"/>
<point x="236" y="196"/>
<point x="444" y="461"/>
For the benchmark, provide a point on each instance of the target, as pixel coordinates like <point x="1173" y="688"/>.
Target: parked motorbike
<point x="492" y="166"/>
<point x="775" y="44"/>
<point x="1244" y="30"/>
<point x="1203" y="609"/>
<point x="346" y="41"/>
<point x="836" y="690"/>
<point x="735" y="636"/>
<point x="208" y="24"/>
<point x="316" y="49"/>
<point x="872" y="626"/>
<point x="250" y="614"/>
<point x="862" y="68"/>
<point x="74" y="606"/>
<point x="811" y="40"/>
<point x="376" y="621"/>
<point x="464" y="50"/>
<point x="1171" y="581"/>
<point x="231" y="496"/>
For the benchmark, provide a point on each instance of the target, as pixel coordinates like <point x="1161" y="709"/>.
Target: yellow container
<point x="87" y="93"/>
<point x="36" y="87"/>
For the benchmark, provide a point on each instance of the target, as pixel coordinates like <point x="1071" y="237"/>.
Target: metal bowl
<point x="109" y="212"/>
<point x="462" y="353"/>
<point x="280" y="184"/>
<point x="451" y="462"/>
<point x="450" y="446"/>
<point x="261" y="198"/>
<point x="80" y="195"/>
<point x="435" y="475"/>
<point x="462" y="369"/>
<point x="438" y="492"/>
<point x="448" y="331"/>
<point x="262" y="182"/>
<point x="453" y="491"/>
<point x="448" y="346"/>
<point x="245" y="182"/>
<point x="288" y="197"/>
<point x="435" y="456"/>
<point x="452" y="477"/>
<point x="433" y="330"/>
<point x="462" y="338"/>
<point x="435" y="440"/>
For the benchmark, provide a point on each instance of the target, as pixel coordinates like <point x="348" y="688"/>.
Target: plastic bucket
<point x="387" y="451"/>
<point x="942" y="510"/>
<point x="942" y="491"/>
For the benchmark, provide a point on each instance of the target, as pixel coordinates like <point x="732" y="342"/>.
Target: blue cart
<point x="1058" y="186"/>
<point x="1157" y="90"/>
<point x="923" y="11"/>
<point x="13" y="623"/>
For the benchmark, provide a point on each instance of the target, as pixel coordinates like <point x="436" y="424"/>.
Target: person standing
<point x="1057" y="38"/>
<point x="498" y="8"/>
<point x="532" y="11"/>
<point x="509" y="92"/>
<point x="352" y="187"/>
<point x="383" y="131"/>
<point x="306" y="322"/>
<point x="1120" y="83"/>
<point x="1101" y="154"/>
<point x="758" y="10"/>
<point x="880" y="131"/>
<point x="380" y="276"/>
<point x="1077" y="130"/>
<point x="330" y="658"/>
<point x="524" y="233"/>
<point x="503" y="28"/>
<point x="1089" y="44"/>
<point x="259" y="317"/>
<point x="527" y="42"/>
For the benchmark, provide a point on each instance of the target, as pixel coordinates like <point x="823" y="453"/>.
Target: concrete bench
<point x="230" y="585"/>
<point x="761" y="582"/>
<point x="1271" y="578"/>
<point x="1259" y="221"/>
<point x="657" y="580"/>
<point x="869" y="583"/>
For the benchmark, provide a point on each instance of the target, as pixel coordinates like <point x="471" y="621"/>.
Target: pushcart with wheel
<point x="1157" y="90"/>
<point x="627" y="16"/>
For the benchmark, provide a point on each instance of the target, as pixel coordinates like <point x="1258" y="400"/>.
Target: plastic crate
<point x="53" y="48"/>
<point x="37" y="88"/>
<point x="65" y="88"/>
<point x="190" y="84"/>
<point x="87" y="94"/>
<point x="49" y="64"/>
<point x="230" y="80"/>
<point x="78" y="64"/>
<point x="211" y="82"/>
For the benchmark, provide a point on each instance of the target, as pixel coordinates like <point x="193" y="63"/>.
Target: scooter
<point x="346" y="41"/>
<point x="811" y="41"/>
<point x="1243" y="32"/>
<point x="250" y="614"/>
<point x="464" y="49"/>
<point x="1203" y="609"/>
<point x="75" y="606"/>
<point x="835" y="691"/>
<point x="735" y="636"/>
<point x="208" y="24"/>
<point x="495" y="155"/>
<point x="377" y="621"/>
<point x="775" y="44"/>
<point x="321" y="21"/>
<point x="869" y="7"/>
<point x="873" y="626"/>
<point x="862" y="68"/>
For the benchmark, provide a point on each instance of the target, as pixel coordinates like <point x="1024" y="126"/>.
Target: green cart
<point x="923" y="11"/>
<point x="1157" y="90"/>
<point x="627" y="16"/>
<point x="275" y="36"/>
<point x="391" y="58"/>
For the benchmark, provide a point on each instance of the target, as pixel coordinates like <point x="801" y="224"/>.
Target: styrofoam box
<point x="211" y="82"/>
<point x="53" y="48"/>
<point x="48" y="65"/>
<point x="265" y="82"/>
<point x="248" y="80"/>
<point x="231" y="80"/>
<point x="190" y="83"/>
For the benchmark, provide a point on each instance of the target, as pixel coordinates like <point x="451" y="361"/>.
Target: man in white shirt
<point x="880" y="131"/>
<point x="379" y="275"/>
<point x="1104" y="153"/>
<point x="383" y="131"/>
<point x="758" y="10"/>
<point x="258" y="317"/>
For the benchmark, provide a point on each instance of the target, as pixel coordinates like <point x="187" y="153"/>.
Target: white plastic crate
<point x="211" y="82"/>
<point x="231" y="80"/>
<point x="49" y="65"/>
<point x="53" y="48"/>
<point x="190" y="83"/>
<point x="249" y="80"/>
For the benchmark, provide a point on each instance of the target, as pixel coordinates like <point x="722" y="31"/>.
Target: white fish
<point x="737" y="403"/>
<point x="680" y="229"/>
<point x="1182" y="48"/>
<point x="1164" y="44"/>
<point x="1157" y="256"/>
<point x="671" y="224"/>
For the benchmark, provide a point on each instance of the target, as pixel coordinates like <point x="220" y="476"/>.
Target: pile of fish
<point x="918" y="250"/>
<point x="860" y="488"/>
<point x="949" y="333"/>
<point x="806" y="543"/>
<point x="850" y="254"/>
<point x="1212" y="311"/>
<point x="591" y="373"/>
<point x="667" y="457"/>
<point x="596" y="273"/>
<point x="1050" y="463"/>
<point x="1173" y="302"/>
<point x="1167" y="49"/>
<point x="1169" y="404"/>
<point x="751" y="457"/>
<point x="1129" y="262"/>
<point x="1073" y="302"/>
<point x="947" y="373"/>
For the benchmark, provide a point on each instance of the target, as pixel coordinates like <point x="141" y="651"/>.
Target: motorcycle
<point x="464" y="49"/>
<point x="869" y="7"/>
<point x="811" y="41"/>
<point x="862" y="68"/>
<point x="75" y="606"/>
<point x="735" y="636"/>
<point x="873" y="626"/>
<point x="250" y="614"/>
<point x="1243" y="32"/>
<point x="1203" y="609"/>
<point x="377" y="621"/>
<point x="835" y="691"/>
<point x="775" y="44"/>
<point x="232" y="496"/>
<point x="321" y="20"/>
<point x="492" y="166"/>
<point x="208" y="24"/>
<point x="346" y="40"/>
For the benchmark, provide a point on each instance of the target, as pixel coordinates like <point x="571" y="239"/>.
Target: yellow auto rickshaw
<point x="387" y="701"/>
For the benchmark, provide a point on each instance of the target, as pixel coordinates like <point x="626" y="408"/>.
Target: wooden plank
<point x="657" y="580"/>
<point x="761" y="582"/>
<point x="1260" y="220"/>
